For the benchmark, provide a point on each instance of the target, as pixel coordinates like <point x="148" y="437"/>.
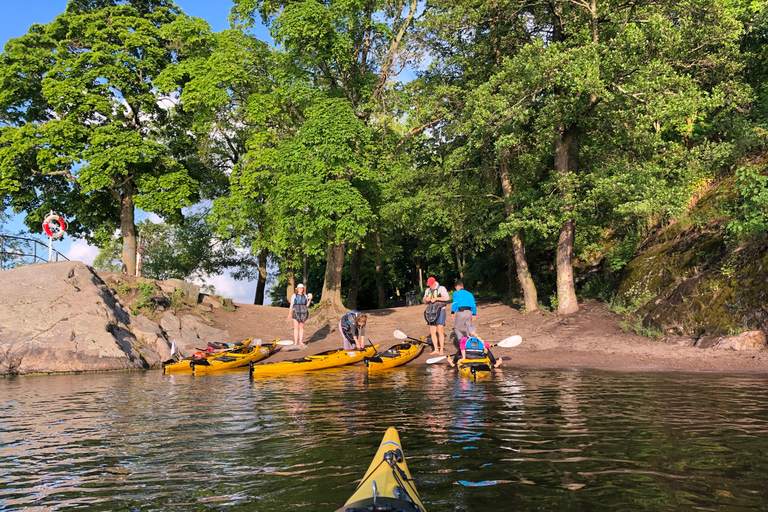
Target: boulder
<point x="211" y="301"/>
<point x="750" y="340"/>
<point x="61" y="317"/>
<point x="189" y="290"/>
<point x="151" y="341"/>
<point x="190" y="333"/>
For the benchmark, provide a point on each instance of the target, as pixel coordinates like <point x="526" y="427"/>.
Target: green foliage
<point x="751" y="207"/>
<point x="85" y="129"/>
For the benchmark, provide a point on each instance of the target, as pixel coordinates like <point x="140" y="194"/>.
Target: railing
<point x="16" y="251"/>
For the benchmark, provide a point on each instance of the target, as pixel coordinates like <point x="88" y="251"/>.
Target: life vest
<point x="474" y="345"/>
<point x="300" y="312"/>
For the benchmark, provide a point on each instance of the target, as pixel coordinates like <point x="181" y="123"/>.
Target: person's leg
<point x="494" y="362"/>
<point x="452" y="360"/>
<point x="300" y="337"/>
<point x="433" y="335"/>
<point x="295" y="331"/>
<point x="347" y="344"/>
<point x="441" y="331"/>
<point x="463" y="321"/>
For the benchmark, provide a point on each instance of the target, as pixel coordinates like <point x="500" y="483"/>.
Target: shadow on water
<point x="533" y="440"/>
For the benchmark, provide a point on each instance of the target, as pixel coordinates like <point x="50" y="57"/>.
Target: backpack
<point x="432" y="313"/>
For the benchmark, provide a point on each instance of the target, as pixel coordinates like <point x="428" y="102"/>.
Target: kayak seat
<point x="475" y="354"/>
<point x="225" y="359"/>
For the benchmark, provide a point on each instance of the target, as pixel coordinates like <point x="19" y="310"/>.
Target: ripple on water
<point x="520" y="440"/>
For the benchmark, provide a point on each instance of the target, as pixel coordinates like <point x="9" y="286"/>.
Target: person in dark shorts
<point x="436" y="298"/>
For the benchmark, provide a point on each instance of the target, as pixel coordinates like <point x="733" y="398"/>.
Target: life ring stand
<point x="54" y="230"/>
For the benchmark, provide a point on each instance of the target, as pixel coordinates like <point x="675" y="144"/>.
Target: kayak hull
<point x="320" y="361"/>
<point x="395" y="356"/>
<point x="475" y="368"/>
<point x="184" y="366"/>
<point x="229" y="361"/>
<point x="386" y="470"/>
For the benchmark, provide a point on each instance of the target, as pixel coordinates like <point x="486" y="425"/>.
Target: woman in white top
<point x="299" y="311"/>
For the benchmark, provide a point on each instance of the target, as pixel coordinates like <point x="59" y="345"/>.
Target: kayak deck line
<point x="387" y="485"/>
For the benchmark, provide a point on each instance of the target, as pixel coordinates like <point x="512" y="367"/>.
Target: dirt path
<point x="590" y="338"/>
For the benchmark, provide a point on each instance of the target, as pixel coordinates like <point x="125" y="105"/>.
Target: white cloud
<point x="227" y="286"/>
<point x="80" y="250"/>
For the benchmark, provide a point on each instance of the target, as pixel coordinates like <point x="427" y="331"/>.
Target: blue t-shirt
<point x="463" y="299"/>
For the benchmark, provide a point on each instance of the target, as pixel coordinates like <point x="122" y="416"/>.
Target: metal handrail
<point x="34" y="255"/>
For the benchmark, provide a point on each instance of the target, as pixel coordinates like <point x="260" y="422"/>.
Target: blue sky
<point x="15" y="20"/>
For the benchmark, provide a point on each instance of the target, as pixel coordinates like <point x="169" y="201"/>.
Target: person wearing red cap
<point x="436" y="297"/>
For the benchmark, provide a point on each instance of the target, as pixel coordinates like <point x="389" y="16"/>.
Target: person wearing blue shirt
<point x="463" y="311"/>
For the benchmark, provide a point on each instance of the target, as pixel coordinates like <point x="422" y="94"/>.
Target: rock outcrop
<point x="190" y="333"/>
<point x="61" y="317"/>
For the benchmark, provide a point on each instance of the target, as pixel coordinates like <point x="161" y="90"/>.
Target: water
<point x="522" y="440"/>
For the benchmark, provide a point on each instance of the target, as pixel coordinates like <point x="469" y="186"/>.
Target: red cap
<point x="431" y="281"/>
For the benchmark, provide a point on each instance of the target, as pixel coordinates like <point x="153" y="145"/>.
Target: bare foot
<point x="498" y="363"/>
<point x="450" y="361"/>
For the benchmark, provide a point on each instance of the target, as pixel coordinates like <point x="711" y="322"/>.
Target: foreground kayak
<point x="184" y="366"/>
<point x="475" y="368"/>
<point x="321" y="361"/>
<point x="387" y="485"/>
<point x="227" y="361"/>
<point x="395" y="356"/>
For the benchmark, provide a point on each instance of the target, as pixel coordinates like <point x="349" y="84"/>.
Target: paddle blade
<point x="512" y="341"/>
<point x="437" y="359"/>
<point x="284" y="342"/>
<point x="399" y="334"/>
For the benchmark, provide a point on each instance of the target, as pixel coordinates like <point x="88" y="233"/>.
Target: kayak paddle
<point x="437" y="359"/>
<point x="284" y="342"/>
<point x="510" y="342"/>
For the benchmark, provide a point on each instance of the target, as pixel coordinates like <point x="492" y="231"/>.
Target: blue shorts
<point x="441" y="318"/>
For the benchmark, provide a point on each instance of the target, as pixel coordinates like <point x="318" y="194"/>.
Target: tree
<point x="84" y="128"/>
<point x="597" y="100"/>
<point x="336" y="52"/>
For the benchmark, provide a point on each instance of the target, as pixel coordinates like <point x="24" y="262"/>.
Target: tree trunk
<point x="354" y="281"/>
<point x="530" y="295"/>
<point x="291" y="288"/>
<point x="128" y="232"/>
<point x="304" y="267"/>
<point x="261" y="284"/>
<point x="332" y="285"/>
<point x="381" y="291"/>
<point x="565" y="163"/>
<point x="459" y="263"/>
<point x="512" y="282"/>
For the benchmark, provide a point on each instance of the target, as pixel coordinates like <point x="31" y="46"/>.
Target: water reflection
<point x="519" y="440"/>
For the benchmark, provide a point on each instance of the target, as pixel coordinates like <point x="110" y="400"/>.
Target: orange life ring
<point x="47" y="226"/>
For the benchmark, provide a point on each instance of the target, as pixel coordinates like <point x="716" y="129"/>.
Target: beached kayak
<point x="321" y="361"/>
<point x="395" y="356"/>
<point x="184" y="365"/>
<point x="230" y="360"/>
<point x="475" y="368"/>
<point x="387" y="485"/>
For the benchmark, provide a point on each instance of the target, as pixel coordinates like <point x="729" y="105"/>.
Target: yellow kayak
<point x="321" y="361"/>
<point x="475" y="368"/>
<point x="184" y="365"/>
<point x="227" y="361"/>
<point x="395" y="356"/>
<point x="387" y="485"/>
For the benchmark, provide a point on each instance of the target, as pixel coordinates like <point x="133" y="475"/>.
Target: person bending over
<point x="352" y="328"/>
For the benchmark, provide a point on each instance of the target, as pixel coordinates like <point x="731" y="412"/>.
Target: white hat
<point x="300" y="285"/>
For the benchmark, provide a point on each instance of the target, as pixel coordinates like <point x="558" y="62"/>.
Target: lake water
<point x="521" y="440"/>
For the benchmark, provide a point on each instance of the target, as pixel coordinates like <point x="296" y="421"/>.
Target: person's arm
<point x="444" y="295"/>
<point x="290" y="309"/>
<point x="309" y="299"/>
<point x="474" y="308"/>
<point x="455" y="304"/>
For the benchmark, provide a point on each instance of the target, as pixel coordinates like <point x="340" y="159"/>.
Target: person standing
<point x="463" y="311"/>
<point x="352" y="328"/>
<point x="299" y="311"/>
<point x="436" y="297"/>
